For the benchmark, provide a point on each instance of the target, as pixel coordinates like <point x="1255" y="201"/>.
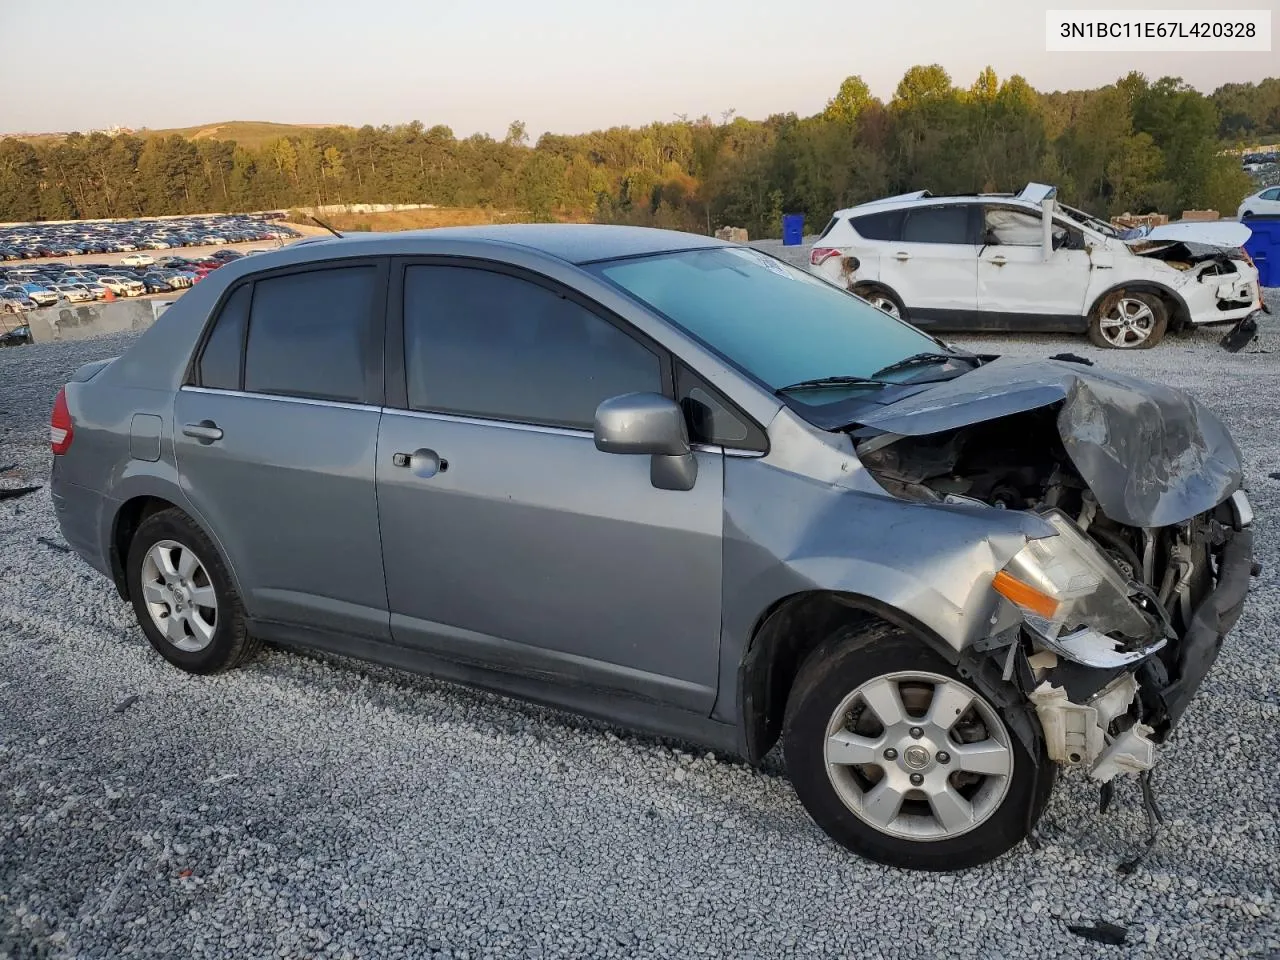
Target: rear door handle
<point x="206" y="431"/>
<point x="902" y="255"/>
<point x="998" y="261"/>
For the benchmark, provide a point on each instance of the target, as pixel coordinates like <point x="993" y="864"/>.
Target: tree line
<point x="1135" y="145"/>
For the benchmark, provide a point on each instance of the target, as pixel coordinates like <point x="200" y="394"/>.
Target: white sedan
<point x="137" y="260"/>
<point x="1263" y="202"/>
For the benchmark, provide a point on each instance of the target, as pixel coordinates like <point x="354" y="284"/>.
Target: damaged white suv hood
<point x="1228" y="234"/>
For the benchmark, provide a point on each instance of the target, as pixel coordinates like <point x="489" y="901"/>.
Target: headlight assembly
<point x="1075" y="600"/>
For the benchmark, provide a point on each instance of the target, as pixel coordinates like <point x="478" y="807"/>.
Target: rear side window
<point x="879" y="226"/>
<point x="220" y="360"/>
<point x="308" y="334"/>
<point x="492" y="345"/>
<point x="938" y="225"/>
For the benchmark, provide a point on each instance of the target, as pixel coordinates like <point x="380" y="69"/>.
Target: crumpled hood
<point x="1212" y="233"/>
<point x="1151" y="455"/>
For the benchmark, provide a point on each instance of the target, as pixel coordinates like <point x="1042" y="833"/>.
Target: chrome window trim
<point x="284" y="398"/>
<point x="447" y="418"/>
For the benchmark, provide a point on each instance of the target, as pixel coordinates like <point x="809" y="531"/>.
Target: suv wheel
<point x="1132" y="321"/>
<point x="183" y="596"/>
<point x="882" y="298"/>
<point x="903" y="762"/>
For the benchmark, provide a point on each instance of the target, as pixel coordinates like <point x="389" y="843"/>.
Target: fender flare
<point x="1180" y="316"/>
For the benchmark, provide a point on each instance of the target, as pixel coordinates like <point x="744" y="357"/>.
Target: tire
<point x="1247" y="213"/>
<point x="202" y="637"/>
<point x="1143" y="319"/>
<point x="881" y="298"/>
<point x="1001" y="807"/>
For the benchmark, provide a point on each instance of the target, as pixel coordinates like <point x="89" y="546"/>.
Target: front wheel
<point x="1129" y="321"/>
<point x="903" y="762"/>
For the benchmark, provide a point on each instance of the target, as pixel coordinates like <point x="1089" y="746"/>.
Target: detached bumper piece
<point x="1243" y="333"/>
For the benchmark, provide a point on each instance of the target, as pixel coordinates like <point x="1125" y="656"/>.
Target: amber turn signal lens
<point x="1025" y="595"/>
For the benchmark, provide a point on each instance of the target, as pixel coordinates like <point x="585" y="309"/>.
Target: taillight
<point x="61" y="429"/>
<point x="821" y="255"/>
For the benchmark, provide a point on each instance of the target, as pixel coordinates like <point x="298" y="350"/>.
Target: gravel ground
<point x="319" y="807"/>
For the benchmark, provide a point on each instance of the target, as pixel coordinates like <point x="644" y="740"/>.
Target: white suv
<point x="1025" y="262"/>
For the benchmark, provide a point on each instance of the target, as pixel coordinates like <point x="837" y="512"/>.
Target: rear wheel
<point x="1131" y="321"/>
<point x="902" y="761"/>
<point x="882" y="298"/>
<point x="183" y="596"/>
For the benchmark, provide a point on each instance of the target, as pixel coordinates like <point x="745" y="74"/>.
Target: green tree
<point x="850" y="100"/>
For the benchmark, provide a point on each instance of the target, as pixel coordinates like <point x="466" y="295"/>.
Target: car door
<point x="933" y="265"/>
<point x="510" y="542"/>
<point x="1270" y="204"/>
<point x="275" y="434"/>
<point x="1017" y="288"/>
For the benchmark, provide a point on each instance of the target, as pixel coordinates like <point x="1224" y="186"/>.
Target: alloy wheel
<point x="919" y="756"/>
<point x="1127" y="324"/>
<point x="179" y="595"/>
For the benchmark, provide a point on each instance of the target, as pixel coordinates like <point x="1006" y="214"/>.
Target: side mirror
<point x="1061" y="240"/>
<point x="649" y="423"/>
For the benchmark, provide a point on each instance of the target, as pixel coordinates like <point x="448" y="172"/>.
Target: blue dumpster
<point x="792" y="229"/>
<point x="1264" y="247"/>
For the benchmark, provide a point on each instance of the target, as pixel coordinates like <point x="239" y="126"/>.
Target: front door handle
<point x="422" y="462"/>
<point x="998" y="261"/>
<point x="206" y="431"/>
<point x="902" y="255"/>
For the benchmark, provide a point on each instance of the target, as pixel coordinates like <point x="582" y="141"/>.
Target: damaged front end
<point x="1121" y="613"/>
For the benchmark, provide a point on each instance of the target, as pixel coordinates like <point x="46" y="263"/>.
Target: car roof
<point x="575" y="243"/>
<point x="1029" y="198"/>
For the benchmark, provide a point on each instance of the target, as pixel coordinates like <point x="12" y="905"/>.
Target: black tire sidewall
<point x="222" y="651"/>
<point x="841" y="665"/>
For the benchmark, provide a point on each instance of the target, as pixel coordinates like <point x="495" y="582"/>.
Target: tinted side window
<point x="220" y="359"/>
<point x="879" y="226"/>
<point x="711" y="418"/>
<point x="308" y="334"/>
<point x="938" y="225"/>
<point x="489" y="344"/>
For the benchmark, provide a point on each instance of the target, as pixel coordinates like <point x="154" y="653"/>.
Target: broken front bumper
<point x="1109" y="718"/>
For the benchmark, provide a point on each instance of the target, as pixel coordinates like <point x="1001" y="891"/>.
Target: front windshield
<point x="778" y="324"/>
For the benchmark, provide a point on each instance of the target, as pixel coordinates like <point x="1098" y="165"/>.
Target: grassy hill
<point x="249" y="133"/>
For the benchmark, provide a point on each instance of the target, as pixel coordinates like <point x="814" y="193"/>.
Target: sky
<point x="565" y="66"/>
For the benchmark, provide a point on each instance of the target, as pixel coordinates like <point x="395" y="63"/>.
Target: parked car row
<point x="42" y="285"/>
<point x="73" y="239"/>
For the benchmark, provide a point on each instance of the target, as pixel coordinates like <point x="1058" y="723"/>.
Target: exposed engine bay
<point x="1102" y="698"/>
<point x="1206" y="264"/>
<point x="1020" y="463"/>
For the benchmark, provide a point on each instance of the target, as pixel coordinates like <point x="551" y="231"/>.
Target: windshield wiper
<point x="842" y="381"/>
<point x="919" y="359"/>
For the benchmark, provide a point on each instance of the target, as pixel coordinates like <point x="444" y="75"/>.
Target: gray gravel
<point x="319" y="807"/>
